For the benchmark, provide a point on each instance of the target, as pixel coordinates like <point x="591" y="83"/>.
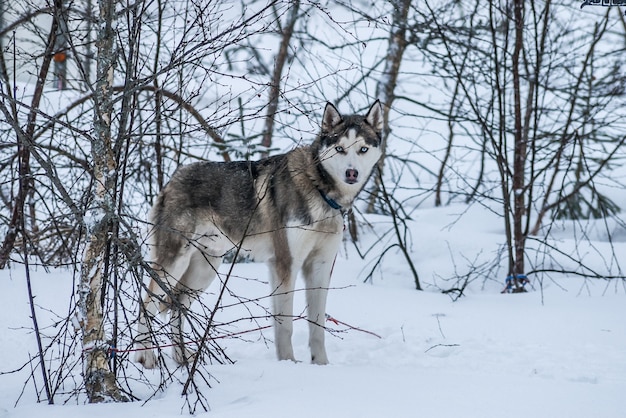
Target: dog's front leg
<point x="317" y="271"/>
<point x="282" y="282"/>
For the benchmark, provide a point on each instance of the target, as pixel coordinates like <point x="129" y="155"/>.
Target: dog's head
<point x="350" y="146"/>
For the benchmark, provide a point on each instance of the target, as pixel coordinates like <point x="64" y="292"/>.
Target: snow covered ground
<point x="556" y="351"/>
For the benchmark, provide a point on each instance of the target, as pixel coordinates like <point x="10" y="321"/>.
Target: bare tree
<point x="516" y="266"/>
<point x="514" y="73"/>
<point x="25" y="140"/>
<point x="100" y="381"/>
<point x="279" y="65"/>
<point x="385" y="88"/>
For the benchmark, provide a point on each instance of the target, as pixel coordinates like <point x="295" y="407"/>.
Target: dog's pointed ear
<point x="331" y="117"/>
<point x="375" y="116"/>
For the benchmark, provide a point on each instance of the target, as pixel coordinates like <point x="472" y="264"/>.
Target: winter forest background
<point x="516" y="108"/>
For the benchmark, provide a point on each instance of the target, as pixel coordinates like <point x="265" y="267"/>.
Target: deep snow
<point x="556" y="351"/>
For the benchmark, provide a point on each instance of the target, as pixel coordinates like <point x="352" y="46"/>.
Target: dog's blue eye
<point x="364" y="150"/>
<point x="339" y="149"/>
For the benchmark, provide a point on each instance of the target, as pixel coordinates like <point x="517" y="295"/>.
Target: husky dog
<point x="286" y="210"/>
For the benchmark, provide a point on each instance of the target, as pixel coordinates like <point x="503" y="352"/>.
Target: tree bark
<point x="23" y="147"/>
<point x="281" y="59"/>
<point x="520" y="148"/>
<point x="100" y="382"/>
<point x="387" y="84"/>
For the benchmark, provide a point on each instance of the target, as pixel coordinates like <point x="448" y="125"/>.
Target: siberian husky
<point x="286" y="210"/>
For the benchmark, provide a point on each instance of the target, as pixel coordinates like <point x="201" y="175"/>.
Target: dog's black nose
<point x="352" y="176"/>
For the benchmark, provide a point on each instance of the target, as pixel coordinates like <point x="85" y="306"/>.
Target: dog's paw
<point x="146" y="358"/>
<point x="320" y="359"/>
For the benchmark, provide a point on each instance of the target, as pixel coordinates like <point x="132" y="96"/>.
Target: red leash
<point x="337" y="322"/>
<point x="113" y="350"/>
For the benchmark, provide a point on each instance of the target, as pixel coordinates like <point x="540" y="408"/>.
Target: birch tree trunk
<point x="100" y="382"/>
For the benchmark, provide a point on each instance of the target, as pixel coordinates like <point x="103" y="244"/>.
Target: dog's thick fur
<point x="286" y="210"/>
